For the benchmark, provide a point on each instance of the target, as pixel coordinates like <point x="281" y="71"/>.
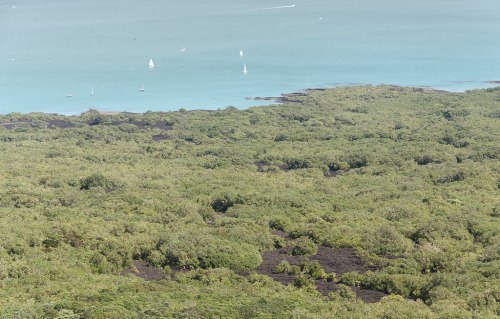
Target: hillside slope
<point x="401" y="181"/>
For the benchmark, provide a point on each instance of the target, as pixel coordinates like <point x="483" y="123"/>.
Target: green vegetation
<point x="312" y="270"/>
<point x="410" y="178"/>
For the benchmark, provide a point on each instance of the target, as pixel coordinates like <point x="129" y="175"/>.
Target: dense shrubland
<point x="416" y="178"/>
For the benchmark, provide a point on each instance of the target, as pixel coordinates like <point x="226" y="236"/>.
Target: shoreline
<point x="284" y="98"/>
<point x="290" y="97"/>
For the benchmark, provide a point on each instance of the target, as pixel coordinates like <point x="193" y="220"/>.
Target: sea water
<point x="51" y="48"/>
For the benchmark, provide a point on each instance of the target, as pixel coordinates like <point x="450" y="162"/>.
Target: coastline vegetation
<point x="410" y="178"/>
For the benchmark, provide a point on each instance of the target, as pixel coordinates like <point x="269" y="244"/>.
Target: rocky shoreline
<point x="288" y="97"/>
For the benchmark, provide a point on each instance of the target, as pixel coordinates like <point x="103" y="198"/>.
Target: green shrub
<point x="386" y="241"/>
<point x="279" y="222"/>
<point x="352" y="279"/>
<point x="278" y="242"/>
<point x="241" y="257"/>
<point x="342" y="292"/>
<point x="283" y="267"/>
<point x="313" y="269"/>
<point x="304" y="282"/>
<point x="99" y="263"/>
<point x="207" y="213"/>
<point x="404" y="285"/>
<point x="331" y="277"/>
<point x="302" y="246"/>
<point x="403" y="266"/>
<point x="221" y="202"/>
<point x="50" y="242"/>
<point x="97" y="118"/>
<point x="294" y="270"/>
<point x="127" y="128"/>
<point x="156" y="259"/>
<point x="96" y="180"/>
<point x="52" y="182"/>
<point x="195" y="249"/>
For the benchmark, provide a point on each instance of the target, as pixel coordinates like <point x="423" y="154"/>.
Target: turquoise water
<point x="49" y="48"/>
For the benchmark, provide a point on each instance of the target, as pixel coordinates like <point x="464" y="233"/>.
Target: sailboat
<point x="92" y="91"/>
<point x="151" y="64"/>
<point x="244" y="68"/>
<point x="241" y="52"/>
<point x="183" y="49"/>
<point x="142" y="89"/>
<point x="69" y="95"/>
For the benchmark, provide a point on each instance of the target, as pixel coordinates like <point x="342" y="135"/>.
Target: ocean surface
<point x="51" y="48"/>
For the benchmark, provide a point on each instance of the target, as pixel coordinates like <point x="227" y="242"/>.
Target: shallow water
<point x="50" y="48"/>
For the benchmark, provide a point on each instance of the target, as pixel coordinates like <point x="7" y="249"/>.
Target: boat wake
<point x="272" y="8"/>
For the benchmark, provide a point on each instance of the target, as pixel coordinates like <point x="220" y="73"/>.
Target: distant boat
<point x="183" y="49"/>
<point x="142" y="88"/>
<point x="69" y="95"/>
<point x="241" y="52"/>
<point x="151" y="64"/>
<point x="244" y="68"/>
<point x="92" y="91"/>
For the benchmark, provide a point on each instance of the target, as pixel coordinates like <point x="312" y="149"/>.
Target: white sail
<point x="151" y="64"/>
<point x="92" y="91"/>
<point x="241" y="52"/>
<point x="244" y="68"/>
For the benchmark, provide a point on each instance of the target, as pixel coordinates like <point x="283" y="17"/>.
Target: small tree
<point x="96" y="180"/>
<point x="303" y="246"/>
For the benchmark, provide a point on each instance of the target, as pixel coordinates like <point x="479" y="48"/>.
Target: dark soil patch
<point x="139" y="124"/>
<point x="144" y="271"/>
<point x="10" y="125"/>
<point x="148" y="273"/>
<point x="260" y="165"/>
<point x="282" y="234"/>
<point x="339" y="261"/>
<point x="159" y="137"/>
<point x="331" y="173"/>
<point x="390" y="257"/>
<point x="285" y="167"/>
<point x="53" y="124"/>
<point x="369" y="296"/>
<point x="143" y="125"/>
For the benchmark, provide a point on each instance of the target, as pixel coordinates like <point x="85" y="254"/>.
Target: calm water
<point x="49" y="48"/>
